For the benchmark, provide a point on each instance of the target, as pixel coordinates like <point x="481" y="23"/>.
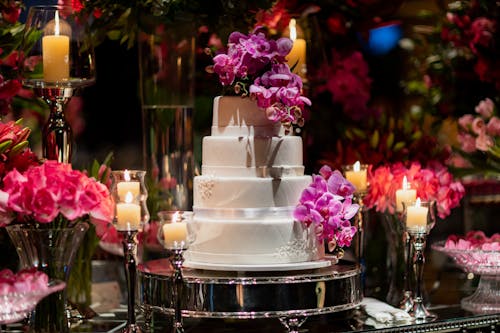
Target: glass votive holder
<point x="419" y="216"/>
<point x="130" y="194"/>
<point x="357" y="174"/>
<point x="175" y="232"/>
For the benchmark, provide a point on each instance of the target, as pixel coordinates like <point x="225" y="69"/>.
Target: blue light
<point x="383" y="39"/>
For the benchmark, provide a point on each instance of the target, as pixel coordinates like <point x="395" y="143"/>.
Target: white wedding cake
<point x="252" y="179"/>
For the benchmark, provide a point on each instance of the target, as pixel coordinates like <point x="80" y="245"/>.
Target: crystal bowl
<point x="16" y="306"/>
<point x="486" y="297"/>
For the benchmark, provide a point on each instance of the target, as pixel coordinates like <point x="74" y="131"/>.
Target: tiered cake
<point x="252" y="178"/>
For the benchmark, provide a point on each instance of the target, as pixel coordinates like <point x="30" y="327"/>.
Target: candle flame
<point x="175" y="217"/>
<point x="405" y="183"/>
<point x="293" y="29"/>
<point x="356" y="167"/>
<point x="126" y="176"/>
<point x="56" y="24"/>
<point x="129" y="197"/>
<point x="417" y="203"/>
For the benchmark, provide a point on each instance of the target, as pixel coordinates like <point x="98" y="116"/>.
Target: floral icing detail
<point x="205" y="188"/>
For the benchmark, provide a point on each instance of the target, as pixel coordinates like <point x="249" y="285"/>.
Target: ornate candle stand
<point x="175" y="234"/>
<point x="131" y="213"/>
<point x="61" y="43"/>
<point x="419" y="218"/>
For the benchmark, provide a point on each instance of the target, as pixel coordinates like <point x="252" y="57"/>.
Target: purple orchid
<point x="327" y="203"/>
<point x="259" y="63"/>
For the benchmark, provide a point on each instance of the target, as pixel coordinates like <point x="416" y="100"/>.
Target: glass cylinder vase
<point x="167" y="70"/>
<point x="52" y="251"/>
<point x="396" y="255"/>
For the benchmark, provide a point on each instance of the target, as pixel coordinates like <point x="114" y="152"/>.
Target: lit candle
<point x="128" y="214"/>
<point x="416" y="216"/>
<point x="405" y="194"/>
<point x="127" y="186"/>
<point x="297" y="55"/>
<point x="55" y="50"/>
<point x="357" y="177"/>
<point x="175" y="233"/>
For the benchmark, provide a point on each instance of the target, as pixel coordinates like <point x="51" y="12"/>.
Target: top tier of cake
<point x="236" y="116"/>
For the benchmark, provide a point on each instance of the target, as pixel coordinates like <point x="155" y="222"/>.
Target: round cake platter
<point x="260" y="268"/>
<point x="282" y="294"/>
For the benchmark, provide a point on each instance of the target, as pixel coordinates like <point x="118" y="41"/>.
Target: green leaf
<point x="399" y="145"/>
<point x="374" y="140"/>
<point x="20" y="146"/>
<point x="114" y="34"/>
<point x="390" y="140"/>
<point x="4" y="145"/>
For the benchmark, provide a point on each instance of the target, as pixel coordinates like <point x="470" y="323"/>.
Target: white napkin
<point x="383" y="312"/>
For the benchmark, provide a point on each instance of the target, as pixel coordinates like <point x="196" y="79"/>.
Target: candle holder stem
<point x="130" y="261"/>
<point x="57" y="134"/>
<point x="407" y="301"/>
<point x="177" y="259"/>
<point x="419" y="311"/>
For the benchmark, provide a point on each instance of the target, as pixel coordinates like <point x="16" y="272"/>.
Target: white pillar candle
<point x="175" y="233"/>
<point x="127" y="187"/>
<point x="357" y="177"/>
<point x="128" y="214"/>
<point x="405" y="194"/>
<point x="55" y="52"/>
<point x="416" y="216"/>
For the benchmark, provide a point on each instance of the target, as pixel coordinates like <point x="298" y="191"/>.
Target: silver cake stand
<point x="291" y="296"/>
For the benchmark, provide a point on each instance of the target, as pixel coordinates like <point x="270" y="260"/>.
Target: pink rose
<point x="478" y="126"/>
<point x="484" y="142"/>
<point x="467" y="142"/>
<point x="465" y="122"/>
<point x="493" y="126"/>
<point x="485" y="108"/>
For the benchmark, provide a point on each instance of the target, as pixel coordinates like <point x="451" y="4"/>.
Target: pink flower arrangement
<point x="431" y="183"/>
<point x="327" y="204"/>
<point x="24" y="281"/>
<point x="255" y="66"/>
<point x="53" y="191"/>
<point x="473" y="240"/>
<point x="479" y="132"/>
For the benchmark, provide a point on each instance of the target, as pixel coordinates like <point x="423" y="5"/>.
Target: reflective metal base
<point x="220" y="294"/>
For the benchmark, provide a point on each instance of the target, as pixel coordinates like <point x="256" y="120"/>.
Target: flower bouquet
<point x="45" y="209"/>
<point x="327" y="205"/>
<point x="478" y="136"/>
<point x="255" y="66"/>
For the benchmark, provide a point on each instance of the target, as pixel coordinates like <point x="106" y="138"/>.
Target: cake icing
<point x="252" y="179"/>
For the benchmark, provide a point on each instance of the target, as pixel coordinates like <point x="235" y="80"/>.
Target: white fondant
<point x="252" y="242"/>
<point x="248" y="192"/>
<point x="236" y="116"/>
<point x="252" y="151"/>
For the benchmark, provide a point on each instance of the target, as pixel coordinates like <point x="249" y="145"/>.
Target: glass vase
<point x="52" y="251"/>
<point x="167" y="71"/>
<point x="396" y="264"/>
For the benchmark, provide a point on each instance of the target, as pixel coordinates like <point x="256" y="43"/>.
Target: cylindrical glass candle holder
<point x="175" y="230"/>
<point x="130" y="195"/>
<point x="357" y="174"/>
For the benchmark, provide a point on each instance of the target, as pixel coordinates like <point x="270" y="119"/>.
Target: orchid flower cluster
<point x="433" y="183"/>
<point x="53" y="193"/>
<point x="327" y="204"/>
<point x="256" y="66"/>
<point x="473" y="240"/>
<point x="27" y="280"/>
